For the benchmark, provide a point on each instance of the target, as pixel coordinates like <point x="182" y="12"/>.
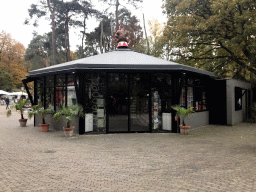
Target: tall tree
<point x="63" y="14"/>
<point x="70" y="13"/>
<point x="52" y="10"/>
<point x="41" y="10"/>
<point x="156" y="39"/>
<point x="5" y="80"/>
<point x="38" y="52"/>
<point x="12" y="58"/>
<point x="213" y="33"/>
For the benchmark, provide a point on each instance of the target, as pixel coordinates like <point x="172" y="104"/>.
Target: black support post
<point x="24" y="81"/>
<point x="150" y="103"/>
<point x="44" y="92"/>
<point x="81" y="100"/>
<point x="54" y="95"/>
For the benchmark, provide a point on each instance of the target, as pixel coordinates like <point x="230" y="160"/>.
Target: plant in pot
<point x="38" y="109"/>
<point x="19" y="106"/>
<point x="69" y="112"/>
<point x="183" y="113"/>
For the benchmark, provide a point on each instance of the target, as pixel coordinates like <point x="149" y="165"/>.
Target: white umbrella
<point x="3" y="92"/>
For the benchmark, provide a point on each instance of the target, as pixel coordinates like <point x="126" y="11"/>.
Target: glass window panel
<point x="60" y="80"/>
<point x="50" y="81"/>
<point x="161" y="101"/>
<point x="197" y="81"/>
<point x="190" y="81"/>
<point x="156" y="109"/>
<point x="40" y="82"/>
<point x="238" y="98"/>
<point x="198" y="98"/>
<point x="40" y="96"/>
<point x="190" y="97"/>
<point x="204" y="102"/>
<point x="118" y="102"/>
<point x="60" y="97"/>
<point x="95" y="109"/>
<point x="183" y="97"/>
<point x="50" y="98"/>
<point x="71" y="95"/>
<point x="139" y="103"/>
<point x="70" y="80"/>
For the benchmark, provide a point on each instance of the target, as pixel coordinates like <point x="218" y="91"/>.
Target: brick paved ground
<point x="211" y="158"/>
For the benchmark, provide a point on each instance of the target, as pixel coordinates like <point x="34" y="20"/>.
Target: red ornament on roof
<point x="121" y="37"/>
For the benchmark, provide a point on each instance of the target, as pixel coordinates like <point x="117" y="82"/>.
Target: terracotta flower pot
<point x="23" y="122"/>
<point x="184" y="129"/>
<point x="69" y="131"/>
<point x="45" y="127"/>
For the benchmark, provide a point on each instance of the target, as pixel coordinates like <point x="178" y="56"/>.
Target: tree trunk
<point x="67" y="37"/>
<point x="117" y="23"/>
<point x="146" y="33"/>
<point x="101" y="37"/>
<point x="84" y="25"/>
<point x="53" y="33"/>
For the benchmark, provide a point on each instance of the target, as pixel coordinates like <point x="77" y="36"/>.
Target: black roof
<point x="120" y="59"/>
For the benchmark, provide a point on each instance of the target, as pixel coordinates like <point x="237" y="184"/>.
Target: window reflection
<point x="139" y="103"/>
<point x="71" y="93"/>
<point x="40" y="95"/>
<point x="60" y="80"/>
<point x="161" y="101"/>
<point x="60" y="97"/>
<point x="50" y="98"/>
<point x="95" y="117"/>
<point x="190" y="97"/>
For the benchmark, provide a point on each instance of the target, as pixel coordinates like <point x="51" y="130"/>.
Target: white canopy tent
<point x="3" y="92"/>
<point x="17" y="93"/>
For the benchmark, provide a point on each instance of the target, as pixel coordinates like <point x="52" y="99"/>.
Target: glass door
<point x="139" y="103"/>
<point x="118" y="102"/>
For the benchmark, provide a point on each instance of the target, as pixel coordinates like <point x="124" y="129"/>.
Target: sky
<point x="14" y="12"/>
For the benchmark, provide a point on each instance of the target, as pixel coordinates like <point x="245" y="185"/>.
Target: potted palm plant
<point x="19" y="106"/>
<point x="183" y="113"/>
<point x="38" y="109"/>
<point x="69" y="112"/>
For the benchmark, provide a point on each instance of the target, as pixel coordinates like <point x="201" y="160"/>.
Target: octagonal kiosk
<point x="122" y="91"/>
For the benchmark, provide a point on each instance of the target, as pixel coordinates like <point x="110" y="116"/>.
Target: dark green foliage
<point x="215" y="35"/>
<point x="69" y="112"/>
<point x="183" y="113"/>
<point x="5" y="80"/>
<point x="19" y="106"/>
<point x="38" y="109"/>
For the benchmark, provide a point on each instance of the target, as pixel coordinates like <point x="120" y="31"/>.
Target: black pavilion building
<point x="122" y="90"/>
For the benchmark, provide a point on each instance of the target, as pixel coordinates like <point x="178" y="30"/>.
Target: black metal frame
<point x="129" y="104"/>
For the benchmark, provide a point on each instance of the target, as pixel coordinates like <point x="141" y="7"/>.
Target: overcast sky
<point x="14" y="12"/>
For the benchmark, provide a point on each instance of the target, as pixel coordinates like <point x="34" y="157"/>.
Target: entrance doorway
<point x="128" y="103"/>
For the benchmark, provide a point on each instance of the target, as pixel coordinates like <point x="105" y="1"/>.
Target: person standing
<point x="7" y="101"/>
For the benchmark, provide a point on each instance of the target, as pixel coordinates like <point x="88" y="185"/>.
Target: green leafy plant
<point x="183" y="113"/>
<point x="38" y="109"/>
<point x="19" y="106"/>
<point x="69" y="113"/>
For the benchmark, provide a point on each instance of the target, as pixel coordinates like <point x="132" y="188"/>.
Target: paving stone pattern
<point x="210" y="158"/>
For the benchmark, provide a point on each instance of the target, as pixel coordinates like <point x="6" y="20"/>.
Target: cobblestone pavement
<point x="210" y="158"/>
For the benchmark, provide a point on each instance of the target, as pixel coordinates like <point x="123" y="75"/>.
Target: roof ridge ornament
<point x="121" y="38"/>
